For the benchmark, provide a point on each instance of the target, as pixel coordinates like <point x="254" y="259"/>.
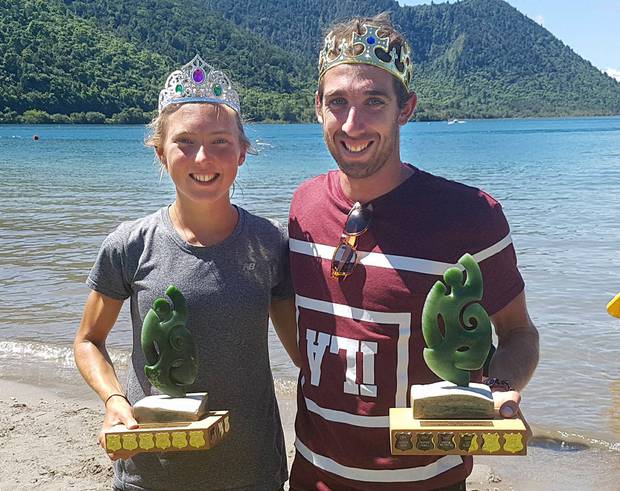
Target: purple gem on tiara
<point x="371" y="40"/>
<point x="198" y="75"/>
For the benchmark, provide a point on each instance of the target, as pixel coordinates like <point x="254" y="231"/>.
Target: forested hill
<point x="97" y="60"/>
<point x="473" y="58"/>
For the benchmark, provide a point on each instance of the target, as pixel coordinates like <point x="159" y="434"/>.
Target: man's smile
<point x="356" y="147"/>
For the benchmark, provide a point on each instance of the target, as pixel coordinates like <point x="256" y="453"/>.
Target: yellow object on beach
<point x="613" y="307"/>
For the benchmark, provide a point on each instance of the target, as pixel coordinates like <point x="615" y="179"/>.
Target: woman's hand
<point x="117" y="411"/>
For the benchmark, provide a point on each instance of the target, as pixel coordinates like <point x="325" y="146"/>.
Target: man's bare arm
<point x="517" y="352"/>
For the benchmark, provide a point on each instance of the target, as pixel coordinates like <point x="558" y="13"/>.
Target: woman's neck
<point x="204" y="225"/>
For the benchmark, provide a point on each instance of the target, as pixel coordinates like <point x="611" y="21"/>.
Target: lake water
<point x="558" y="180"/>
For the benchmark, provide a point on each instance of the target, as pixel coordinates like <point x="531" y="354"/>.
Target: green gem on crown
<point x="178" y="89"/>
<point x="217" y="90"/>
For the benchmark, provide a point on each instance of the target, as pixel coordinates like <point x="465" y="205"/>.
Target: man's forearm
<point x="516" y="357"/>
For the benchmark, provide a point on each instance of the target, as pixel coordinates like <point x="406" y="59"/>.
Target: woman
<point x="232" y="268"/>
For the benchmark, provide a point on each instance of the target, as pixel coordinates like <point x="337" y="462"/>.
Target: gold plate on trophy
<point x="168" y="437"/>
<point x="411" y="436"/>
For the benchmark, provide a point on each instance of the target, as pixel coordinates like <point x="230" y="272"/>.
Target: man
<point x="367" y="243"/>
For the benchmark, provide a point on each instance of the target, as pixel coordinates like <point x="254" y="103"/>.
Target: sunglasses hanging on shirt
<point x="345" y="256"/>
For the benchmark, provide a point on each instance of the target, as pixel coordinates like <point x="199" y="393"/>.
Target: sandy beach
<point x="48" y="441"/>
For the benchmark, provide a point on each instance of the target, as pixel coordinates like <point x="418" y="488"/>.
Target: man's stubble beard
<point x="361" y="170"/>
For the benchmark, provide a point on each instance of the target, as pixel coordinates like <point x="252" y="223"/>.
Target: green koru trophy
<point x="457" y="332"/>
<point x="173" y="421"/>
<point x="171" y="363"/>
<point x="168" y="345"/>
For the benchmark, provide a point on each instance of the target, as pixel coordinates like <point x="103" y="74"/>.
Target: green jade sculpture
<point x="170" y="350"/>
<point x="466" y="339"/>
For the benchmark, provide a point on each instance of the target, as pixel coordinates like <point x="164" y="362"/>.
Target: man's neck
<point x="368" y="188"/>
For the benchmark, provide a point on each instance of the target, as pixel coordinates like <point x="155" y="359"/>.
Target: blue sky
<point x="590" y="27"/>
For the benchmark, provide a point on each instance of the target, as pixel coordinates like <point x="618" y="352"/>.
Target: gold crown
<point x="374" y="51"/>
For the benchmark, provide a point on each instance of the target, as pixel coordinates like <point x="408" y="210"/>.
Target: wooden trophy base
<point x="168" y="437"/>
<point x="497" y="436"/>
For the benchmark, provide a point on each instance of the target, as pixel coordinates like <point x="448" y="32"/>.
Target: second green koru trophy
<point x="455" y="416"/>
<point x="457" y="332"/>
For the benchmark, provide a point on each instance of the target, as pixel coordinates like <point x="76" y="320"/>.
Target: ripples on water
<point x="558" y="180"/>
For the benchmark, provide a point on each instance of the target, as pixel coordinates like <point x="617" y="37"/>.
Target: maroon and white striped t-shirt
<point x="361" y="338"/>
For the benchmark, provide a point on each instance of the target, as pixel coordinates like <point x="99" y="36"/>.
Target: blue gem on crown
<point x="370" y="49"/>
<point x="197" y="81"/>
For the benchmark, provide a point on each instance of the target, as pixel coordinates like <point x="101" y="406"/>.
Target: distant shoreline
<point x="267" y="122"/>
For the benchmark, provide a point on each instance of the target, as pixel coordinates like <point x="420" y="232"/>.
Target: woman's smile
<point x="204" y="178"/>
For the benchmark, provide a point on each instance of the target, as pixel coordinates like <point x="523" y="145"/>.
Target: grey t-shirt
<point x="228" y="288"/>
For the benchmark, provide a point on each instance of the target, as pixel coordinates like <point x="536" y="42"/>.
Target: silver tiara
<point x="198" y="82"/>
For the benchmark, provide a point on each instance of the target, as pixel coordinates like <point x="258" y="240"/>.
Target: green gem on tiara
<point x="178" y="89"/>
<point x="217" y="90"/>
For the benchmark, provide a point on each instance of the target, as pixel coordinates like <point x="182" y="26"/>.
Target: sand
<point x="48" y="441"/>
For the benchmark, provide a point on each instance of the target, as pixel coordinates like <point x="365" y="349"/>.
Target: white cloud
<point x="539" y="19"/>
<point x="613" y="73"/>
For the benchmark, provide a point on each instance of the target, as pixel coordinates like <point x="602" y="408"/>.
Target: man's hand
<point x="507" y="403"/>
<point x="507" y="406"/>
<point x="118" y="411"/>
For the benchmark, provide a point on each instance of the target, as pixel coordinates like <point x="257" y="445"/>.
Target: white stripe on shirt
<point x="391" y="261"/>
<point x="348" y="418"/>
<point x="410" y="474"/>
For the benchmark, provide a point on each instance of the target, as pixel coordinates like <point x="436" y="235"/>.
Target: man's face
<point x="361" y="118"/>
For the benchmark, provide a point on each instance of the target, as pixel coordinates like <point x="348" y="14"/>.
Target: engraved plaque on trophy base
<point x="496" y="436"/>
<point x="168" y="437"/>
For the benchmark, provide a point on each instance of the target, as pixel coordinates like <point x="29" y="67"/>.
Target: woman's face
<point x="202" y="151"/>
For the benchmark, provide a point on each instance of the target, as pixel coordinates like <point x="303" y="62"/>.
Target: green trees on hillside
<point x="95" y="61"/>
<point x="488" y="60"/>
<point x="54" y="62"/>
<point x="105" y="57"/>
